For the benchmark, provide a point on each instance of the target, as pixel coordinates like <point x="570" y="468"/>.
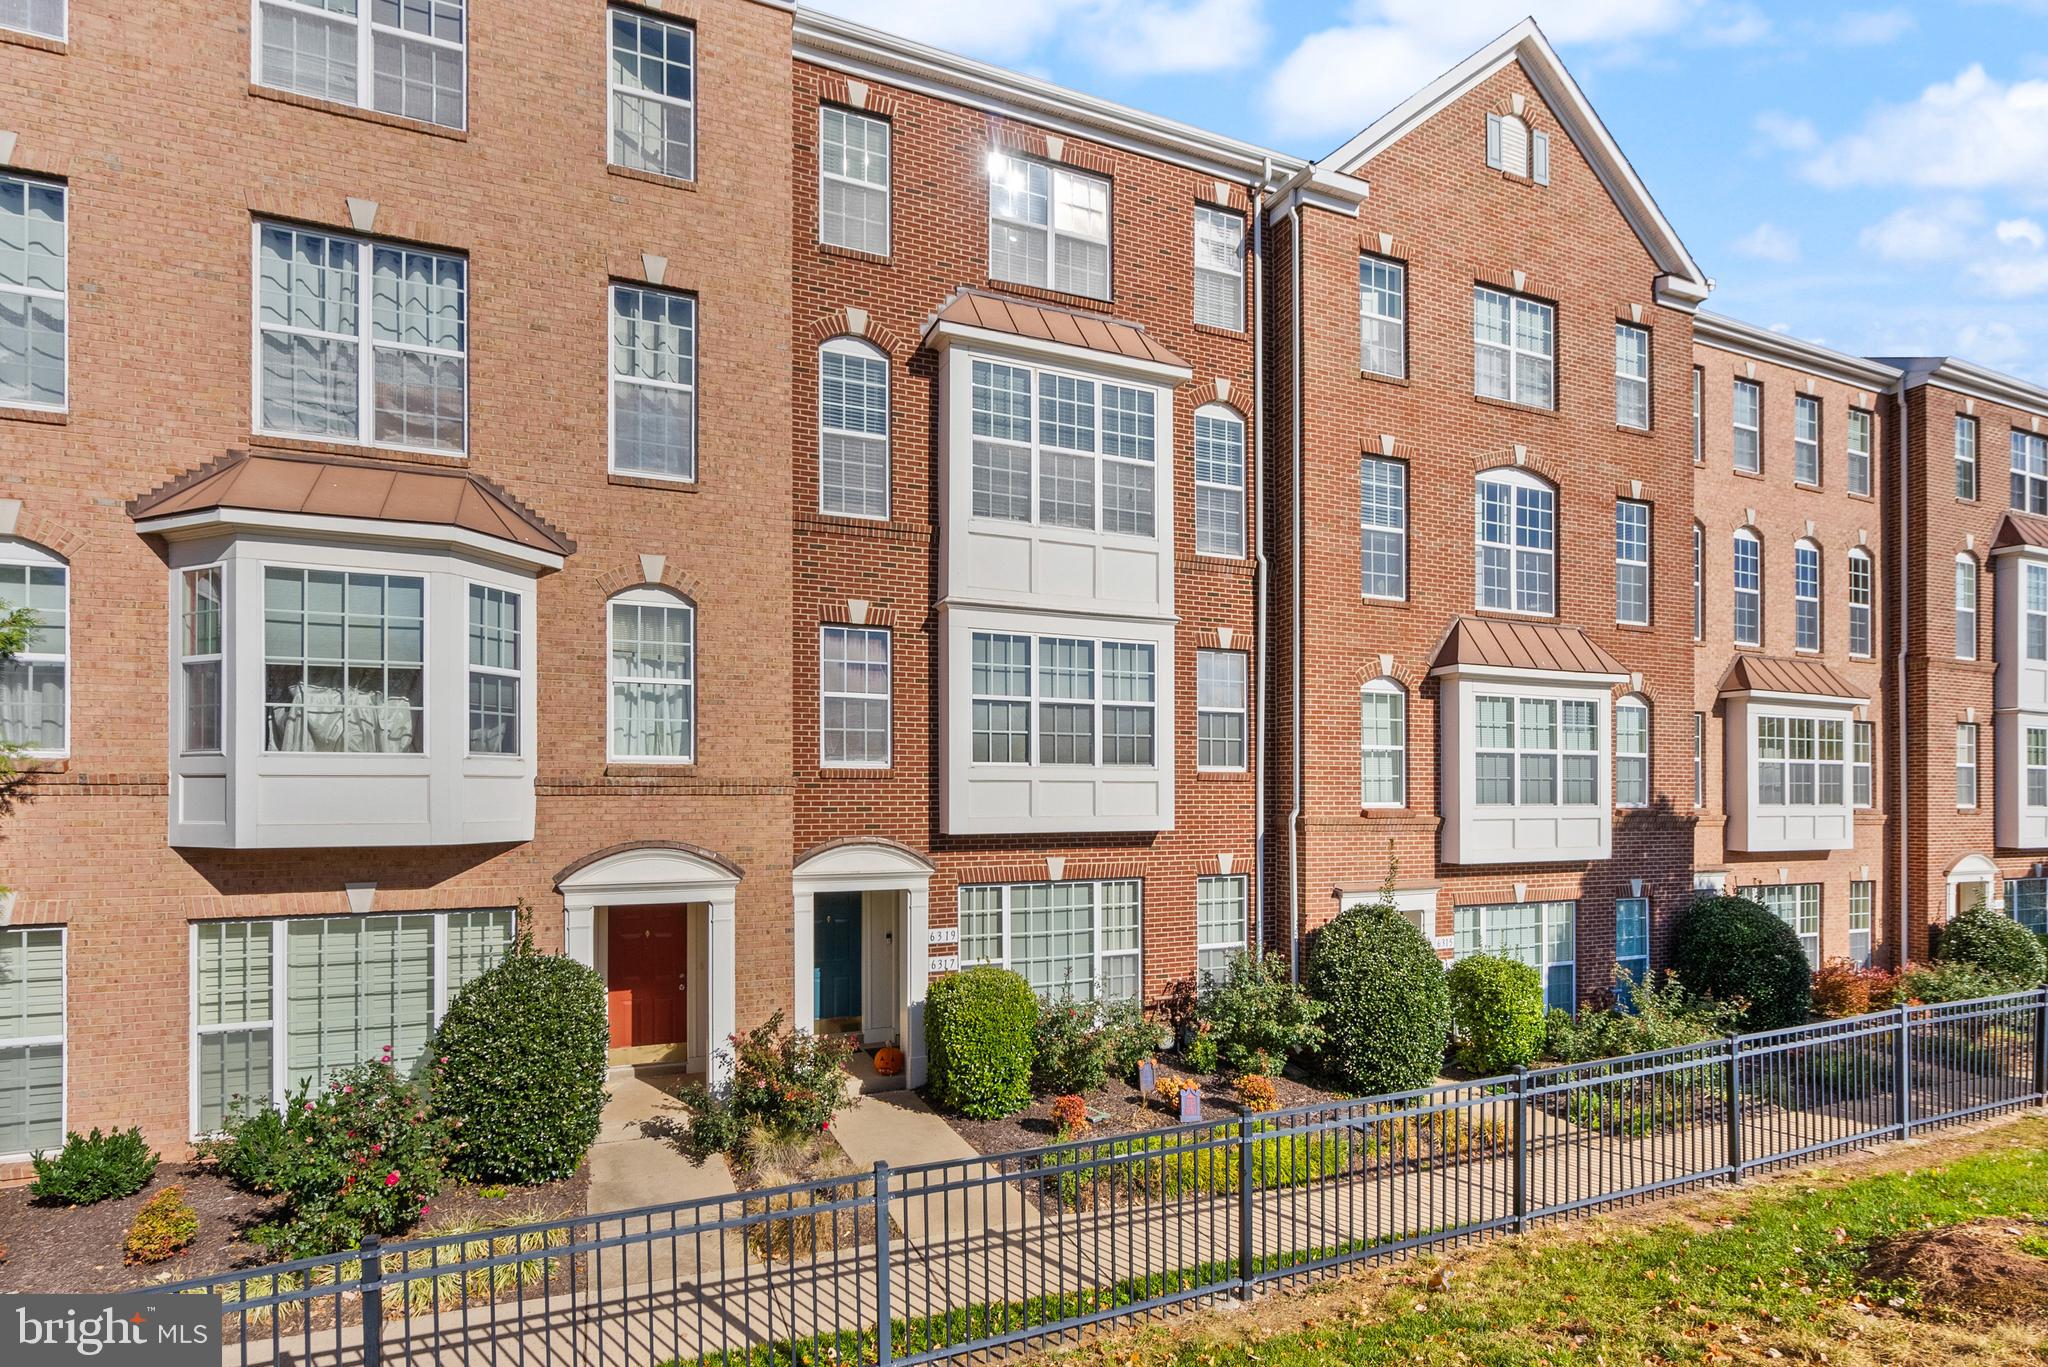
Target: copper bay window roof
<point x="1046" y="323"/>
<point x="340" y="486"/>
<point x="1769" y="674"/>
<point x="1486" y="643"/>
<point x="2017" y="529"/>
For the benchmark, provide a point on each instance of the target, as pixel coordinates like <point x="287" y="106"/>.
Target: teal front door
<point x="837" y="971"/>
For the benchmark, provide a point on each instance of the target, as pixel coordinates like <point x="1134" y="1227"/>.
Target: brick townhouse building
<point x="797" y="511"/>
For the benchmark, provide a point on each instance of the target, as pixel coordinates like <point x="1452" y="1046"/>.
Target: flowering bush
<point x="362" y="1156"/>
<point x="164" y="1226"/>
<point x="789" y="1082"/>
<point x="1257" y="1093"/>
<point x="1069" y="1051"/>
<point x="1169" y="1086"/>
<point x="1842" y="989"/>
<point x="1070" y="1114"/>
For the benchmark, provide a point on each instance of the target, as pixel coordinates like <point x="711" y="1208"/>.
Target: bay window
<point x="407" y="58"/>
<point x="1071" y="714"/>
<point x="199" y="653"/>
<point x="1219" y="482"/>
<point x="1798" y="906"/>
<point x="35" y="685"/>
<point x="653" y="650"/>
<point x="1221" y="709"/>
<point x="1092" y="446"/>
<point x="652" y="82"/>
<point x="1383" y="527"/>
<point x="1536" y="752"/>
<point x="1078" y="940"/>
<point x="1514" y="342"/>
<point x="1048" y="226"/>
<point x="32" y="1039"/>
<point x="2036" y="761"/>
<point x="2034" y="611"/>
<point x="1791" y="780"/>
<point x="494" y="651"/>
<point x="854" y="697"/>
<point x="1219" y="925"/>
<point x="34" y="251"/>
<point x="1383" y="744"/>
<point x="1516" y="528"/>
<point x="2026" y="900"/>
<point x="343" y="661"/>
<point x="1799" y="761"/>
<point x="1542" y="935"/>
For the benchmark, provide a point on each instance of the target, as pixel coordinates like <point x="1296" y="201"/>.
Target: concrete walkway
<point x="631" y="1168"/>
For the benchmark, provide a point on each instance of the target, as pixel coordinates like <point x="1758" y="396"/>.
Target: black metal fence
<point x="946" y="1260"/>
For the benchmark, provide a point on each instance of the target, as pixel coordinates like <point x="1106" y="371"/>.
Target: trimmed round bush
<point x="978" y="1029"/>
<point x="1496" y="1011"/>
<point x="1731" y="949"/>
<point x="1388" y="1010"/>
<point x="520" y="1068"/>
<point x="1994" y="942"/>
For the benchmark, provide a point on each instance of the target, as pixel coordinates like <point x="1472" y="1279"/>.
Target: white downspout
<point x="1259" y="562"/>
<point x="1904" y="556"/>
<point x="1294" y="682"/>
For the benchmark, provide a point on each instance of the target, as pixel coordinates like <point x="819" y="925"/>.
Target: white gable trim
<point x="1682" y="284"/>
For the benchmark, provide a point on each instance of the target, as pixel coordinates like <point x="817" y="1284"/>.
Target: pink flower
<point x="391" y="1178"/>
<point x="376" y="1148"/>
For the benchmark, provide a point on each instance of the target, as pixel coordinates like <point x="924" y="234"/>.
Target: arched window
<point x="1747" y="565"/>
<point x="1219" y="481"/>
<point x="1806" y="596"/>
<point x="1966" y="607"/>
<point x="853" y="429"/>
<point x="35" y="686"/>
<point x="1632" y="752"/>
<point x="1383" y="744"/>
<point x="1516" y="528"/>
<point x="653" y="649"/>
<point x="1862" y="595"/>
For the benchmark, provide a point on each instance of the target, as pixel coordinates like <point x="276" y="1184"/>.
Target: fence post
<point x="1903" y="1104"/>
<point x="2041" y="1045"/>
<point x="372" y="1278"/>
<point x="885" y="1332"/>
<point x="1735" y="1108"/>
<point x="1521" y="1149"/>
<point x="1246" y="1258"/>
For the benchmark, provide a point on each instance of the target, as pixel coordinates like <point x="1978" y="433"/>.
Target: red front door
<point x="644" y="975"/>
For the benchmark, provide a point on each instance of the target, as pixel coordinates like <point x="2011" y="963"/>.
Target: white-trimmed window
<point x="1536" y="752"/>
<point x="200" y="624"/>
<point x="1862" y="770"/>
<point x="1860" y="428"/>
<point x="1066" y="939"/>
<point x="2034" y="611"/>
<point x="1383" y="744"/>
<point x="1862" y="596"/>
<point x="652" y="80"/>
<point x="1699" y="415"/>
<point x="1542" y="935"/>
<point x="1219" y="925"/>
<point x="1090" y="450"/>
<point x="1517" y="543"/>
<point x="1048" y="226"/>
<point x="1219" y="268"/>
<point x="1631" y="375"/>
<point x="1222" y="705"/>
<point x="1084" y="702"/>
<point x="1631" y="562"/>
<point x="1748" y="408"/>
<point x="1631" y="753"/>
<point x="1383" y="317"/>
<point x="853" y="176"/>
<point x="344" y="662"/>
<point x="1747" y="565"/>
<point x="1862" y="920"/>
<point x="1806" y="596"/>
<point x="2029" y="472"/>
<point x="403" y="57"/>
<point x="277" y="1003"/>
<point x="1966" y="607"/>
<point x="653" y="647"/>
<point x="1219" y="482"/>
<point x="44" y="18"/>
<point x="494" y="666"/>
<point x="1966" y="764"/>
<point x="654" y="383"/>
<point x="854" y="697"/>
<point x="1631" y="945"/>
<point x="391" y="369"/>
<point x="35" y="686"/>
<point x="1805" y="439"/>
<point x="2026" y="900"/>
<point x="1699" y="759"/>
<point x="32" y="1034"/>
<point x="1514" y="342"/>
<point x="2036" y="766"/>
<point x="1699" y="582"/>
<point x="1798" y="906"/>
<point x="853" y="429"/>
<point x="34" y="251"/>
<point x="1800" y="761"/>
<point x="1383" y="527"/>
<point x="1512" y="146"/>
<point x="1966" y="458"/>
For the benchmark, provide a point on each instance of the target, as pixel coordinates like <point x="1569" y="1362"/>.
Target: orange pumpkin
<point x="889" y="1060"/>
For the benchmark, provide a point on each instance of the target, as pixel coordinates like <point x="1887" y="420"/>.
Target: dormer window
<point x="1516" y="149"/>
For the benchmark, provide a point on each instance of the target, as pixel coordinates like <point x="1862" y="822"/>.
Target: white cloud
<point x="1768" y="242"/>
<point x="1871" y="28"/>
<point x="1156" y="37"/>
<point x="1787" y="132"/>
<point x="1129" y="37"/>
<point x="1924" y="232"/>
<point x="2014" y="232"/>
<point x="1733" y="26"/>
<point x="1339" y="79"/>
<point x="2013" y="277"/>
<point x="1972" y="133"/>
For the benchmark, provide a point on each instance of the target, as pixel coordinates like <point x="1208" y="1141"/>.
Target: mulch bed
<point x="78" y="1248"/>
<point x="802" y="1236"/>
<point x="1973" y="1270"/>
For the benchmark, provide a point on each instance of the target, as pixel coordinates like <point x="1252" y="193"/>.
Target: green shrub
<point x="1199" y="1053"/>
<point x="94" y="1167"/>
<point x="1736" y="950"/>
<point x="1992" y="941"/>
<point x="977" y="1035"/>
<point x="1952" y="980"/>
<point x="1382" y="987"/>
<point x="250" y="1149"/>
<point x="786" y="1085"/>
<point x="522" y="1053"/>
<point x="163" y="1228"/>
<point x="1068" y="1050"/>
<point x="1661" y="1016"/>
<point x="362" y="1156"/>
<point x="1257" y="1017"/>
<point x="1496" y="1012"/>
<point x="1129" y="1037"/>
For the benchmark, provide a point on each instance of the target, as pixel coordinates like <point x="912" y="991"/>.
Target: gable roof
<point x="2018" y="530"/>
<point x="1525" y="43"/>
<point x="1487" y="643"/>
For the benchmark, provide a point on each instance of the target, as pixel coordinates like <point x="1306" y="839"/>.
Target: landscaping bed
<point x="768" y="1163"/>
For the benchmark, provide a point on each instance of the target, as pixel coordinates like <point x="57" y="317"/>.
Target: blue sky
<point x="1869" y="176"/>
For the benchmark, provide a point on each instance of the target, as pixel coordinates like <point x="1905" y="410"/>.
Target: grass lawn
<point x="1774" y="1271"/>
